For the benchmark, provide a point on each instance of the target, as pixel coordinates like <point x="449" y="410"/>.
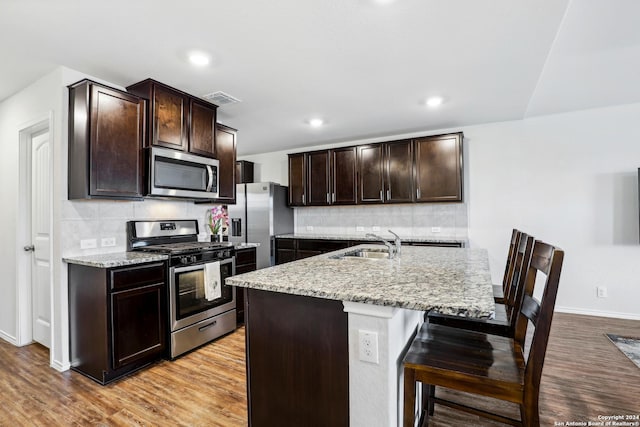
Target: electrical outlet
<point x="108" y="241"/>
<point x="309" y="227"/>
<point x="368" y="346"/>
<point x="602" y="291"/>
<point x="435" y="229"/>
<point x="375" y="228"/>
<point x="88" y="244"/>
<point x="359" y="228"/>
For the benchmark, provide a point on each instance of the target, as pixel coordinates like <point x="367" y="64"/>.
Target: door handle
<point x="29" y="248"/>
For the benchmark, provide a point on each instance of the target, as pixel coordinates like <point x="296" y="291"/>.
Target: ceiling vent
<point x="220" y="98"/>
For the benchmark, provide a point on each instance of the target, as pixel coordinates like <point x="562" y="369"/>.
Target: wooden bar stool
<point x="504" y="322"/>
<point x="485" y="364"/>
<point x="499" y="290"/>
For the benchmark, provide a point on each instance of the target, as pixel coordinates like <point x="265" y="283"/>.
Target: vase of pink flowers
<point x="217" y="218"/>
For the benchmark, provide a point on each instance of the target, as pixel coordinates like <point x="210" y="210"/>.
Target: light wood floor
<point x="584" y="376"/>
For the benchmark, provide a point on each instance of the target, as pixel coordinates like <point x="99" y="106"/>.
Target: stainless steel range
<point x="201" y="307"/>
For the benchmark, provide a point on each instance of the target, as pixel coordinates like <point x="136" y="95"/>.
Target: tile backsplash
<point x="407" y="220"/>
<point x="99" y="219"/>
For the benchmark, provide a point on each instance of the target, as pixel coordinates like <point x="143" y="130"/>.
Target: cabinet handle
<point x="303" y="199"/>
<point x="417" y="193"/>
<point x="328" y="199"/>
<point x="389" y="194"/>
<point x="381" y="196"/>
<point x="334" y="197"/>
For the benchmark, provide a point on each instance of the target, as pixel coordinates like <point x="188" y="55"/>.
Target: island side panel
<point x="297" y="360"/>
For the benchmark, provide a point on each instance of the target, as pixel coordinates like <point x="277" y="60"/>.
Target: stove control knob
<point x="183" y="260"/>
<point x="226" y="254"/>
<point x="193" y="258"/>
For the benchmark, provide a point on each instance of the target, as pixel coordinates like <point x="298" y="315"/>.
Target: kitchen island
<point x="304" y="320"/>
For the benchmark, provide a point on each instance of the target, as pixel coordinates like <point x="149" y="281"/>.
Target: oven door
<point x="187" y="300"/>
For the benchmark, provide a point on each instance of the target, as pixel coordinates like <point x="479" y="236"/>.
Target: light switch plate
<point x="108" y="241"/>
<point x="359" y="228"/>
<point x="375" y="228"/>
<point x="435" y="229"/>
<point x="88" y="244"/>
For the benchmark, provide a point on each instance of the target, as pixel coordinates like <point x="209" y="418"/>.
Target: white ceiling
<point x="365" y="68"/>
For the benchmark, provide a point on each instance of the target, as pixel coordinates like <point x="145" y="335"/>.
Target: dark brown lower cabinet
<point x="297" y="360"/>
<point x="117" y="319"/>
<point x="245" y="262"/>
<point x="291" y="249"/>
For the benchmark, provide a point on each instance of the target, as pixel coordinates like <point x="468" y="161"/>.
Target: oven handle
<point x="200" y="266"/>
<point x="208" y="325"/>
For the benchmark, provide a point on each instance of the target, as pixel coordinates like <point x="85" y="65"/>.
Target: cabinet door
<point x="439" y="168"/>
<point x="318" y="178"/>
<point x="169" y="118"/>
<point x="370" y="173"/>
<point x="137" y="319"/>
<point x="398" y="172"/>
<point x="297" y="174"/>
<point x="202" y="129"/>
<point x="117" y="133"/>
<point x="343" y="176"/>
<point x="226" y="155"/>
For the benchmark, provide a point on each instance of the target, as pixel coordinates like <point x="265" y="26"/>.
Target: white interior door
<point x="40" y="238"/>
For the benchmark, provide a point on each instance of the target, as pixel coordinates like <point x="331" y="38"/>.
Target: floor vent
<point x="220" y="98"/>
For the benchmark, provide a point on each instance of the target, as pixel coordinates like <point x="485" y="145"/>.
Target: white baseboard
<point x="10" y="339"/>
<point x="597" y="313"/>
<point x="59" y="366"/>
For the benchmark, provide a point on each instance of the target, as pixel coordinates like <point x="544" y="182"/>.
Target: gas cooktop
<point x="183" y="247"/>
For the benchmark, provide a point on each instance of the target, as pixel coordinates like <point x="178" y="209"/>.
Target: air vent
<point x="220" y="98"/>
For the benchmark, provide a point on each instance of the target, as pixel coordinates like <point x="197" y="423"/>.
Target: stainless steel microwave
<point x="176" y="174"/>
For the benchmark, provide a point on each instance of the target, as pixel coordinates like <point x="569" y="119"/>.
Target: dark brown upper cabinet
<point x="370" y="173"/>
<point x="226" y="154"/>
<point x="318" y="178"/>
<point x="106" y="134"/>
<point x="322" y="178"/>
<point x="425" y="169"/>
<point x="398" y="172"/>
<point x="178" y="120"/>
<point x="202" y="138"/>
<point x="343" y="176"/>
<point x="297" y="179"/>
<point x="438" y="161"/>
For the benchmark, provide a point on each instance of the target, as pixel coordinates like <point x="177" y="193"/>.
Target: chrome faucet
<point x="397" y="242"/>
<point x="389" y="246"/>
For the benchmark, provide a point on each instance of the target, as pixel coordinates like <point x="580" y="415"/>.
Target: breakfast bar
<point x="326" y="335"/>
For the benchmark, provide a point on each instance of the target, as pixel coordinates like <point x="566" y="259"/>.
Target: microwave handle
<point x="210" y="174"/>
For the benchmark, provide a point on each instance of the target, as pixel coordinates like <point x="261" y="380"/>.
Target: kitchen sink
<point x="364" y="254"/>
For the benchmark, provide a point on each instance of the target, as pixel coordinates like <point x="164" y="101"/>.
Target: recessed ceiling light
<point x="434" y="101"/>
<point x="199" y="59"/>
<point x="316" y="122"/>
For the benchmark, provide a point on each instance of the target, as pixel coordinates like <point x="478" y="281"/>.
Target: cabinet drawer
<point x="142" y="275"/>
<point x="245" y="256"/>
<point x="286" y="243"/>
<point x="245" y="268"/>
<point x="321" y="245"/>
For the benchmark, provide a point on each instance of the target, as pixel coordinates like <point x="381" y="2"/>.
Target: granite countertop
<point x="116" y="259"/>
<point x="443" y="239"/>
<point x="450" y="280"/>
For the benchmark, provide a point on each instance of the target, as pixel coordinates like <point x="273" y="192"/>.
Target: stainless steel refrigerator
<point x="260" y="214"/>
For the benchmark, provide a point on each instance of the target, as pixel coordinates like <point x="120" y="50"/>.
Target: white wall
<point x="16" y="113"/>
<point x="72" y="220"/>
<point x="569" y="179"/>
